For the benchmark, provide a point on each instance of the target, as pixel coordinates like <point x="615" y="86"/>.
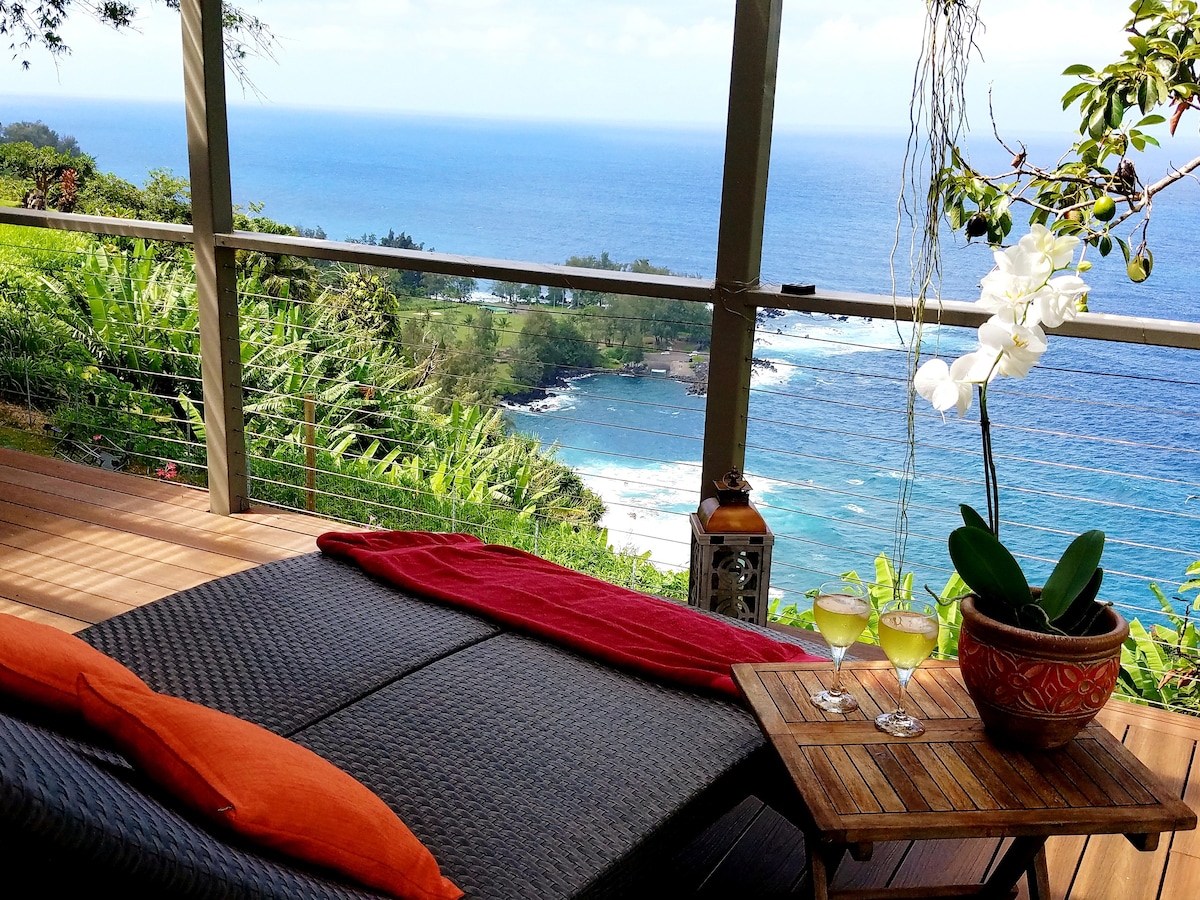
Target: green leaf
<point x="1074" y="93"/>
<point x="1155" y="119"/>
<point x="988" y="568"/>
<point x="1115" y="112"/>
<point x="1079" y="69"/>
<point x="973" y="519"/>
<point x="1084" y="611"/>
<point x="1073" y="573"/>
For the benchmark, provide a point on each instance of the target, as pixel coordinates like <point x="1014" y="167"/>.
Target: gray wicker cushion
<point x="531" y="772"/>
<point x="75" y="818"/>
<point x="285" y="643"/>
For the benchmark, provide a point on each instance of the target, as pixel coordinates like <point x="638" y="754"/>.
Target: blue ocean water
<point x="826" y="438"/>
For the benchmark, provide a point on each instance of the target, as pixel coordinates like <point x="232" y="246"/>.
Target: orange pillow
<point x="40" y="665"/>
<point x="265" y="787"/>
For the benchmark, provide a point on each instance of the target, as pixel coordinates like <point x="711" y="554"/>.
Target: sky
<point x="842" y="65"/>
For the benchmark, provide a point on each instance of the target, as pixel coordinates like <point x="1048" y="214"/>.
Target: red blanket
<point x="618" y="626"/>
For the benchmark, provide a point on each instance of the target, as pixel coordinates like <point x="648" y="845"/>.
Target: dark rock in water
<point x="524" y="398"/>
<point x="634" y="368"/>
<point x="766" y="314"/>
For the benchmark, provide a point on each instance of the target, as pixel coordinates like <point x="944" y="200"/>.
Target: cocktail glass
<point x="841" y="610"/>
<point x="908" y="632"/>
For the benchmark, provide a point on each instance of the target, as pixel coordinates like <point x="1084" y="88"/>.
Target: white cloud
<point x="855" y="67"/>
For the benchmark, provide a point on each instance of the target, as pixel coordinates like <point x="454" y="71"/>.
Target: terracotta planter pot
<point x="1036" y="691"/>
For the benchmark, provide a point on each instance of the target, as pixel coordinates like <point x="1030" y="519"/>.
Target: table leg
<point x="1026" y="855"/>
<point x="1038" y="876"/>
<point x="823" y="861"/>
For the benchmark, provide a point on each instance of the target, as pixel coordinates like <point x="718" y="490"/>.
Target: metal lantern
<point x="731" y="553"/>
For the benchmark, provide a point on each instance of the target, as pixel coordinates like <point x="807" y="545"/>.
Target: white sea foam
<point x="779" y="373"/>
<point x="647" y="506"/>
<point x="818" y="333"/>
<point x="763" y="487"/>
<point x="555" y="402"/>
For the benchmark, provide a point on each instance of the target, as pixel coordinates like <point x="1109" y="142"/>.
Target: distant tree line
<point x="418" y="284"/>
<point x="459" y="357"/>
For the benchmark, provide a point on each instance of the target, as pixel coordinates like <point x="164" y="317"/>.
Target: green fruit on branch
<point x="1104" y="208"/>
<point x="1138" y="269"/>
<point x="977" y="226"/>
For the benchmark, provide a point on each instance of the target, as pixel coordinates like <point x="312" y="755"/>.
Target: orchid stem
<point x="989" y="465"/>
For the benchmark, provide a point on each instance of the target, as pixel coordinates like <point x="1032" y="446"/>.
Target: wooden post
<point x="216" y="279"/>
<point x="310" y="453"/>
<point x="739" y="245"/>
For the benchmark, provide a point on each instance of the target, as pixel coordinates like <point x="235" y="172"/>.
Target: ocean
<point x="827" y="430"/>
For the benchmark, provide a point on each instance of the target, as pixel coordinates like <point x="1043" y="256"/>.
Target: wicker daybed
<point x="528" y="770"/>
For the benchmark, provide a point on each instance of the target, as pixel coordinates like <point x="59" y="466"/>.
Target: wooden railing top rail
<point x="1097" y="326"/>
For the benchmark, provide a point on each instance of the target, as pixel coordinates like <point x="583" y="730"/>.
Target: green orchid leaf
<point x="971" y="518"/>
<point x="1073" y="573"/>
<point x="1082" y="614"/>
<point x="988" y="568"/>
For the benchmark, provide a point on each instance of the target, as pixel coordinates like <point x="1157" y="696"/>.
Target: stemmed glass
<point x="841" y="610"/>
<point x="908" y="632"/>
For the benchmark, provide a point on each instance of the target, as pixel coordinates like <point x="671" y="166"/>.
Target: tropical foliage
<point x="885" y="586"/>
<point x="1161" y="665"/>
<point x="1095" y="186"/>
<point x="102" y="337"/>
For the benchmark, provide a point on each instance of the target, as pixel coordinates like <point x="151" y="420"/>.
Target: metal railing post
<point x="216" y="278"/>
<point x="739" y="245"/>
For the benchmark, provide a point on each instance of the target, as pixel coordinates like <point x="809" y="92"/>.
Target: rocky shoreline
<point x="690" y="368"/>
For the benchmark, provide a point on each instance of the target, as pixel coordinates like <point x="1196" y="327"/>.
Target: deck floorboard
<point x="78" y="545"/>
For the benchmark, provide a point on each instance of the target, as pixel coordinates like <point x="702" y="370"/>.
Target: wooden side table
<point x="857" y="785"/>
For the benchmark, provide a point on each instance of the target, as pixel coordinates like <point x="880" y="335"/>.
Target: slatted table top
<point x="860" y="785"/>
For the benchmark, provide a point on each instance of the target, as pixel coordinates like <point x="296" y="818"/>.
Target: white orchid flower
<point x="1023" y="294"/>
<point x="1015" y="348"/>
<point x="947" y="387"/>
<point x="1056" y="251"/>
<point x="1002" y="292"/>
<point x="1058" y="302"/>
<point x="1024" y="263"/>
<point x="1021" y="288"/>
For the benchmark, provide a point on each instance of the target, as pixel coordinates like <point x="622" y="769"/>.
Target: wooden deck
<point x="79" y="545"/>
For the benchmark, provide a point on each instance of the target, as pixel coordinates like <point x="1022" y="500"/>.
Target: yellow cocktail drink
<point x="841" y="618"/>
<point x="907" y="638"/>
<point x="841" y="610"/>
